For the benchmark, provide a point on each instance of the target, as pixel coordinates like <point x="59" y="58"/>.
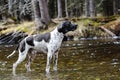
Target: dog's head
<point x="66" y="26"/>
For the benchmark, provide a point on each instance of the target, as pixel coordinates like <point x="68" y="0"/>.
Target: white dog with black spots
<point x="48" y="43"/>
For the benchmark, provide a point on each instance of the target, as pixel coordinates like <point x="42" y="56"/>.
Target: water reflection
<point x="32" y="76"/>
<point x="88" y="59"/>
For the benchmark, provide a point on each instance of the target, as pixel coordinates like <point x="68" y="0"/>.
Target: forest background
<point x="95" y="18"/>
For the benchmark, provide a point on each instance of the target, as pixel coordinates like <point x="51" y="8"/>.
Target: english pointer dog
<point x="48" y="43"/>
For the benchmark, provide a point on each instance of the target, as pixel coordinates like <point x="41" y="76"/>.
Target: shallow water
<point x="86" y="59"/>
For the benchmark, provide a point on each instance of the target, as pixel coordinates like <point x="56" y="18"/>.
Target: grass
<point x="82" y="30"/>
<point x="26" y="27"/>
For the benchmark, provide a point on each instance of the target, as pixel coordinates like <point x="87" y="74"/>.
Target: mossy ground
<point x="87" y="27"/>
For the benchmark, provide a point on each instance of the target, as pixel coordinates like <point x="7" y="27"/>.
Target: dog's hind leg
<point x="55" y="59"/>
<point x="22" y="56"/>
<point x="31" y="57"/>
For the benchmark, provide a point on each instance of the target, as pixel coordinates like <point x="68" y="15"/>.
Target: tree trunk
<point x="37" y="14"/>
<point x="115" y="7"/>
<point x="87" y="8"/>
<point x="59" y="8"/>
<point x="10" y="3"/>
<point x="52" y="8"/>
<point x="108" y="7"/>
<point x="44" y="11"/>
<point x="92" y="8"/>
<point x="66" y="9"/>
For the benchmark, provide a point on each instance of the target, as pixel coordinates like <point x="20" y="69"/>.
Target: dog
<point x="48" y="43"/>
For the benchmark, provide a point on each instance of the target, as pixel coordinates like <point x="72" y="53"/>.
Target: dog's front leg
<point x="49" y="57"/>
<point x="55" y="59"/>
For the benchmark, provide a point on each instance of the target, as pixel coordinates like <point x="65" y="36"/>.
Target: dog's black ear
<point x="60" y="26"/>
<point x="63" y="25"/>
<point x="66" y="23"/>
<point x="66" y="26"/>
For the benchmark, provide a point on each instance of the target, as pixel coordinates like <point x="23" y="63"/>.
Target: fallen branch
<point x="12" y="38"/>
<point x="108" y="31"/>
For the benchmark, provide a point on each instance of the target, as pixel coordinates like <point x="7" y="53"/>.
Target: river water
<point x="86" y="59"/>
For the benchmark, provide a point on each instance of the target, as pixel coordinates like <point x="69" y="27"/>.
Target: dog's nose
<point x="76" y="25"/>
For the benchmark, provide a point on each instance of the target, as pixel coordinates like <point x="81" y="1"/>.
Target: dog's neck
<point x="56" y="33"/>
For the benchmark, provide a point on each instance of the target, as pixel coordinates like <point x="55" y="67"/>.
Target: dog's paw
<point x="28" y="68"/>
<point x="55" y="68"/>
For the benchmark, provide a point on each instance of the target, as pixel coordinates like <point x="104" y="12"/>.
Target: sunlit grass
<point x="82" y="30"/>
<point x="25" y="26"/>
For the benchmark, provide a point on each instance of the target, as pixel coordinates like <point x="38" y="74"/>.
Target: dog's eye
<point x="69" y="23"/>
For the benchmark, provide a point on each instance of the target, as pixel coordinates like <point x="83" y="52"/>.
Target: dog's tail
<point x="13" y="52"/>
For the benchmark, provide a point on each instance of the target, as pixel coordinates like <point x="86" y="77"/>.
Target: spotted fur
<point x="48" y="43"/>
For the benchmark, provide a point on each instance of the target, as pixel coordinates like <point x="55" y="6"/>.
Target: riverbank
<point x="87" y="28"/>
